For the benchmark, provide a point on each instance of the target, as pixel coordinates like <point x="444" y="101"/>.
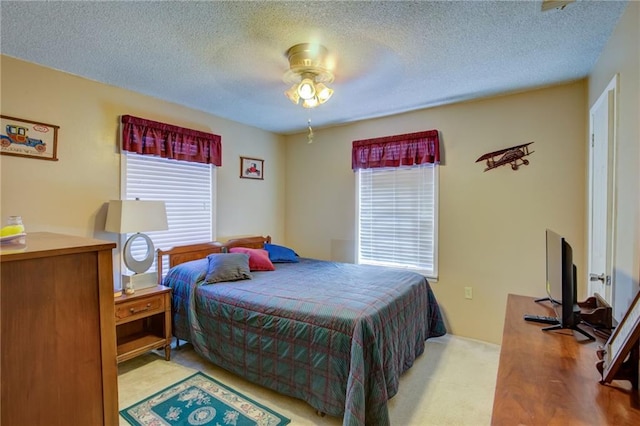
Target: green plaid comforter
<point x="335" y="335"/>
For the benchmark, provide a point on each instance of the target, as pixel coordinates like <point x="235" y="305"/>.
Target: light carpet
<point x="451" y="383"/>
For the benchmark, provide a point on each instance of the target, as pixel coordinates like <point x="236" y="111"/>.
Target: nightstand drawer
<point x="143" y="322"/>
<point x="144" y="306"/>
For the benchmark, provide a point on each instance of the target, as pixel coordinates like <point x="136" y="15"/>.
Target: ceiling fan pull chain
<point x="310" y="135"/>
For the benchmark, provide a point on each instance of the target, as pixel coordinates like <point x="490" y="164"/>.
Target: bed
<point x="335" y="335"/>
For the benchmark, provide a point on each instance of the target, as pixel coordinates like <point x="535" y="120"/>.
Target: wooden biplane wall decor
<point x="514" y="156"/>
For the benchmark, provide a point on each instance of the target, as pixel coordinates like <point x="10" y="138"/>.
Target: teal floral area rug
<point x="200" y="400"/>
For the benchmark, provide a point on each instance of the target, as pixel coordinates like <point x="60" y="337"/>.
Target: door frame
<point x="609" y="285"/>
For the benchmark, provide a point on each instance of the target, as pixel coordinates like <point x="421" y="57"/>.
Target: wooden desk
<point x="549" y="377"/>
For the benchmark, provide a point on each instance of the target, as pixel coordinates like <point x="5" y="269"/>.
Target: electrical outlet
<point x="468" y="293"/>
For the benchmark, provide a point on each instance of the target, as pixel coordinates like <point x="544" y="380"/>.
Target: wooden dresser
<point x="58" y="358"/>
<point x="550" y="377"/>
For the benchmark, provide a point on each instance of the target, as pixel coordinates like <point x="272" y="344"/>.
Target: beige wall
<point x="491" y="229"/>
<point x="622" y="56"/>
<point x="69" y="196"/>
<point x="492" y="224"/>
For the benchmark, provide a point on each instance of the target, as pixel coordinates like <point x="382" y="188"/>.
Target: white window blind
<point x="397" y="217"/>
<point x="187" y="189"/>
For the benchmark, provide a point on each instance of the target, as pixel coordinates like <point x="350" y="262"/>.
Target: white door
<point x="602" y="126"/>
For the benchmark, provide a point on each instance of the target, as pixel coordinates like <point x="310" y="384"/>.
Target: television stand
<point x="575" y="327"/>
<point x="539" y="376"/>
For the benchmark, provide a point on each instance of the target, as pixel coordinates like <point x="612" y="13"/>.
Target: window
<point x="397" y="217"/>
<point x="187" y="189"/>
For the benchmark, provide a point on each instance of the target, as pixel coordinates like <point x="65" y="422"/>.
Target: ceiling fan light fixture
<point x="292" y="94"/>
<point x="307" y="88"/>
<point x="323" y="93"/>
<point x="308" y="73"/>
<point x="310" y="103"/>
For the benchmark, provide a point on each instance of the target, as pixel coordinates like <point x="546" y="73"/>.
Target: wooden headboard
<point x="249" y="242"/>
<point x="181" y="254"/>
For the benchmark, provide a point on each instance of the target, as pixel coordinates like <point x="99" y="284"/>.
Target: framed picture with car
<point x="251" y="168"/>
<point x="26" y="138"/>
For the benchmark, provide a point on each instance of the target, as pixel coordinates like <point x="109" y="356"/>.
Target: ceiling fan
<point x="308" y="73"/>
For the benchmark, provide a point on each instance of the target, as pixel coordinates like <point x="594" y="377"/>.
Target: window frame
<point x="159" y="238"/>
<point x="432" y="274"/>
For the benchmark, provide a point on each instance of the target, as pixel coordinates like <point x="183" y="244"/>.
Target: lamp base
<point x="139" y="281"/>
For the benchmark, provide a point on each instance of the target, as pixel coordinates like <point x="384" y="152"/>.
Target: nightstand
<point x="143" y="322"/>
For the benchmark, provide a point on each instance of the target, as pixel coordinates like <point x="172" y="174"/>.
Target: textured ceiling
<point x="228" y="58"/>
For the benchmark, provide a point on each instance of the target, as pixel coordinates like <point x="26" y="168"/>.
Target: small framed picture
<point x="251" y="168"/>
<point x="26" y="138"/>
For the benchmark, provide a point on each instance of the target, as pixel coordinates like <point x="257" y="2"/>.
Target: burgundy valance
<point x="149" y="137"/>
<point x="395" y="151"/>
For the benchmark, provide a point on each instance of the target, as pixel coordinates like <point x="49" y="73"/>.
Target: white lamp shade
<point x="128" y="216"/>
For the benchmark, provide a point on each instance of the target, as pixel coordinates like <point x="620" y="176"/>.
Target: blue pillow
<point x="280" y="254"/>
<point x="227" y="267"/>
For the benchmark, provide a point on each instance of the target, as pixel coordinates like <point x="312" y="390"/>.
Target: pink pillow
<point x="258" y="258"/>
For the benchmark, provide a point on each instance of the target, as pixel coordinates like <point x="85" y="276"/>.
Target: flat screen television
<point x="561" y="284"/>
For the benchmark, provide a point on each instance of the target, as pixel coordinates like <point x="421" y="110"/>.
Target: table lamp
<point x="137" y="216"/>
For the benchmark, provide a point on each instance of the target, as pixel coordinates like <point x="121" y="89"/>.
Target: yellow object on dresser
<point x="9" y="230"/>
<point x="14" y="227"/>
